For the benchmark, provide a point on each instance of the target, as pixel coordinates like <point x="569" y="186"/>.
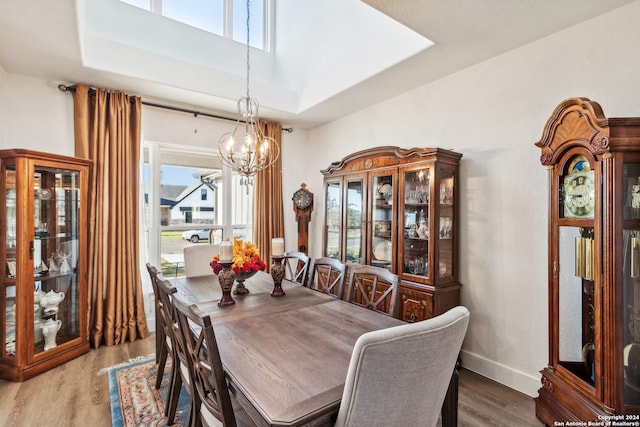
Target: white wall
<point x="35" y="115"/>
<point x="493" y="113"/>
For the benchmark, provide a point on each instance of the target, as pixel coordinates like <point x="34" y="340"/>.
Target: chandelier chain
<point x="248" y="63"/>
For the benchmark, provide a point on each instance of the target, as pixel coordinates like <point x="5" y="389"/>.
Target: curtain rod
<point x="64" y="88"/>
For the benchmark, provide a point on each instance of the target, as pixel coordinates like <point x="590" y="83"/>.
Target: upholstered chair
<point x="399" y="376"/>
<point x="197" y="259"/>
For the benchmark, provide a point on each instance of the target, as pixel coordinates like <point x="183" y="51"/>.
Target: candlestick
<point x="277" y="247"/>
<point x="277" y="273"/>
<point x="226" y="278"/>
<point x="226" y="251"/>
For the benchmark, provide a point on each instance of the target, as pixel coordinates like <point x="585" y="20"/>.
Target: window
<point x="227" y="18"/>
<point x="181" y="207"/>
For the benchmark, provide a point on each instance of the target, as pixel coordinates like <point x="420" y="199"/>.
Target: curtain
<point x="269" y="216"/>
<point x="107" y="132"/>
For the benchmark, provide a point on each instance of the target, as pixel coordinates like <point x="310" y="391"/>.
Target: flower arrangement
<point x="246" y="258"/>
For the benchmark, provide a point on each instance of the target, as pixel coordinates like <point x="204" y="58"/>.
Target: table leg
<point x="450" y="405"/>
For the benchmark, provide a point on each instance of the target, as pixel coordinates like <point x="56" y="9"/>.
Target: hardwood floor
<point x="74" y="395"/>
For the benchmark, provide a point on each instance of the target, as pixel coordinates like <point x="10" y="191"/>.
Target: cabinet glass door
<point x="333" y="218"/>
<point x="9" y="288"/>
<point x="416" y="222"/>
<point x="354" y="205"/>
<point x="55" y="256"/>
<point x="631" y="283"/>
<point x="576" y="302"/>
<point x="381" y="243"/>
<point x="446" y="223"/>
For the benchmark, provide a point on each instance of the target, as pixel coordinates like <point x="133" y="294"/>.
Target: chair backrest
<point x="160" y="336"/>
<point x="327" y="275"/>
<point x="375" y="288"/>
<point x="197" y="259"/>
<point x="399" y="376"/>
<point x="166" y="293"/>
<point x="296" y="266"/>
<point x="204" y="364"/>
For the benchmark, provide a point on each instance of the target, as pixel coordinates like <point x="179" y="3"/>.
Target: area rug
<point x="135" y="401"/>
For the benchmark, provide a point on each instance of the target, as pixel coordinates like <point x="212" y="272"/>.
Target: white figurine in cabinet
<point x="50" y="301"/>
<point x="50" y="329"/>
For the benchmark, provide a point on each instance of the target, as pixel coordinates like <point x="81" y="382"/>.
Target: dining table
<point x="287" y="357"/>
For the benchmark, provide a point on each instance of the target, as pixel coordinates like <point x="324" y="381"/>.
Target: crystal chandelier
<point x="247" y="150"/>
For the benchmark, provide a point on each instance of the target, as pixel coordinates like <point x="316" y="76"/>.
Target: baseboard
<point x="524" y="383"/>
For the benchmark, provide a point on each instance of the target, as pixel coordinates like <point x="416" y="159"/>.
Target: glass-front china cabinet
<point x="44" y="291"/>
<point x="397" y="209"/>
<point x="594" y="265"/>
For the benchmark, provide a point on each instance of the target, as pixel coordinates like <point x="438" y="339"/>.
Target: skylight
<point x="226" y="18"/>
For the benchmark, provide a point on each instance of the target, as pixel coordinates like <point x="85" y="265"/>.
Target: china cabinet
<point x="43" y="269"/>
<point x="594" y="265"/>
<point x="397" y="208"/>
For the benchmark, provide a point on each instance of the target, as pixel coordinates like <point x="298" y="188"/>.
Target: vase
<point x="50" y="329"/>
<point x="240" y="278"/>
<point x="226" y="277"/>
<point x="277" y="273"/>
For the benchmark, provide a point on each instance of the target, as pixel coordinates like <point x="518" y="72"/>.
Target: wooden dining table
<point x="286" y="357"/>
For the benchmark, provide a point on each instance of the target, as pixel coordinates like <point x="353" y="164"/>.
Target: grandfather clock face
<point x="303" y="206"/>
<point x="578" y="189"/>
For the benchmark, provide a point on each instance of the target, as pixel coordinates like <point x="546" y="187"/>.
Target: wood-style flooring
<point x="75" y="395"/>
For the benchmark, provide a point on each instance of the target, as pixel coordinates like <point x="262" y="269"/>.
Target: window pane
<point x="207" y="15"/>
<point x="256" y="35"/>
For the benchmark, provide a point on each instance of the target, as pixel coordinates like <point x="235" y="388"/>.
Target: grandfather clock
<point x="593" y="164"/>
<point x="303" y="206"/>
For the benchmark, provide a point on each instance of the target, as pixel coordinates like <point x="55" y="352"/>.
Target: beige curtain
<point x="269" y="216"/>
<point x="107" y="131"/>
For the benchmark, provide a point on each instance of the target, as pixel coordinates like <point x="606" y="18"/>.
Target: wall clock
<point x="303" y="206"/>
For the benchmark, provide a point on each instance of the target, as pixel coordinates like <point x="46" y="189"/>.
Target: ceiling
<point x="338" y="56"/>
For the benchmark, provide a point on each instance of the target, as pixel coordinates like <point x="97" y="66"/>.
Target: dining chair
<point x="153" y="276"/>
<point x="163" y="343"/>
<point x="296" y="266"/>
<point x="327" y="275"/>
<point x="197" y="259"/>
<point x="399" y="376"/>
<point x="167" y="293"/>
<point x="375" y="288"/>
<point x="211" y="401"/>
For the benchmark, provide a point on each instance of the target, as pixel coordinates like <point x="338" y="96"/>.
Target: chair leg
<point x="173" y="395"/>
<point x="162" y="361"/>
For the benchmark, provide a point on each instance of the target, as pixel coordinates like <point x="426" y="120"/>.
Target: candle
<point x="226" y="251"/>
<point x="277" y="246"/>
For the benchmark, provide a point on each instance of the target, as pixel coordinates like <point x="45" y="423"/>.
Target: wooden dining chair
<point x="167" y="293"/>
<point x="399" y="376"/>
<point x="327" y="275"/>
<point x="296" y="266"/>
<point x="211" y="402"/>
<point x="163" y="343"/>
<point x="375" y="288"/>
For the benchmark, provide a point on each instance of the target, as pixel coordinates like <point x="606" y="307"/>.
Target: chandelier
<point x="246" y="149"/>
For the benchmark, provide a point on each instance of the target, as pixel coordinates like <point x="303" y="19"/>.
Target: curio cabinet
<point x="397" y="208"/>
<point x="44" y="286"/>
<point x="594" y="265"/>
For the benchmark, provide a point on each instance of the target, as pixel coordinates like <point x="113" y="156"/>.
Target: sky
<point x="174" y="175"/>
